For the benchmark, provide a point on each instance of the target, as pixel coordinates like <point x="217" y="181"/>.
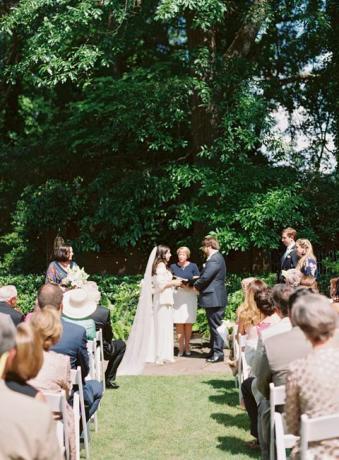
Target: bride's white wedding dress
<point x="163" y="316"/>
<point x="151" y="336"/>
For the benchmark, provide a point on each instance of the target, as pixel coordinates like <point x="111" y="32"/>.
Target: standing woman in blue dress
<point x="58" y="268"/>
<point x="307" y="263"/>
<point x="185" y="300"/>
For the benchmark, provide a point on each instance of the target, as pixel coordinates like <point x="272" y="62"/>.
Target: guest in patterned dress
<point x="58" y="269"/>
<point x="185" y="300"/>
<point x="312" y="382"/>
<point x="307" y="263"/>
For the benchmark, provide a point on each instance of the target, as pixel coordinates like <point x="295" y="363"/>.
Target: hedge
<point x="120" y="295"/>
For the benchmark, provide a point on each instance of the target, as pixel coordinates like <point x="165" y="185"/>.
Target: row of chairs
<point x="312" y="429"/>
<point x="239" y="357"/>
<point x="58" y="401"/>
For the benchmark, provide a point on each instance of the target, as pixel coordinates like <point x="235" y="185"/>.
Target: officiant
<point x="185" y="300"/>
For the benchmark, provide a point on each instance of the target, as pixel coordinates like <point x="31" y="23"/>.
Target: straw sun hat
<point x="78" y="304"/>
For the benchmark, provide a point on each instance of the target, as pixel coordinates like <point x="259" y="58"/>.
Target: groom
<point x="212" y="295"/>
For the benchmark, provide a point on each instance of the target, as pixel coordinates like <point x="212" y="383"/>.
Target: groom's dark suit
<point x="288" y="261"/>
<point x="213" y="298"/>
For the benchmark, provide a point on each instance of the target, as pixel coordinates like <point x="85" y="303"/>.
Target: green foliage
<point x="124" y="123"/>
<point x="27" y="287"/>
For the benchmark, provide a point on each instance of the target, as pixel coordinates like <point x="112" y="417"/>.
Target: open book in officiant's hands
<point x="186" y="281"/>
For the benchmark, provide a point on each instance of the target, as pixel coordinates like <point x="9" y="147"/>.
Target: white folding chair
<point x="277" y="398"/>
<point x="279" y="438"/>
<point x="91" y="349"/>
<point x="57" y="403"/>
<point x="236" y="351"/>
<point x="99" y="355"/>
<point x="243" y="368"/>
<point x="317" y="429"/>
<point x="79" y="403"/>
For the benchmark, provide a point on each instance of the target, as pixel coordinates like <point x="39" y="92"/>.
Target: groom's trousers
<point x="215" y="316"/>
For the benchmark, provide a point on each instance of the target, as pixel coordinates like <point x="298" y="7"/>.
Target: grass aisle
<point x="169" y="418"/>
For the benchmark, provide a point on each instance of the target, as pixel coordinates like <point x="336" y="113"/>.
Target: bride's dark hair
<point x="160" y="257"/>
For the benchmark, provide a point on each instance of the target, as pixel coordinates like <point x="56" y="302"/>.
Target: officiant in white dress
<point x="185" y="300"/>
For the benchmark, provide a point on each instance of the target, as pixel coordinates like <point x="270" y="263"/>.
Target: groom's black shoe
<point x="112" y="384"/>
<point x="210" y="354"/>
<point x="215" y="359"/>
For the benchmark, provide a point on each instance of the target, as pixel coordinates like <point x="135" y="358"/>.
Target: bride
<point x="151" y="336"/>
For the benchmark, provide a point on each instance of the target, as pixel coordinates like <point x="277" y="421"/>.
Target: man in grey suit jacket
<point x="212" y="295"/>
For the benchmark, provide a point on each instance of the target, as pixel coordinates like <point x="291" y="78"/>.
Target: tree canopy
<point x="129" y="122"/>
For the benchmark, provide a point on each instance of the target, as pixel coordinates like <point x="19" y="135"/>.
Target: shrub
<point x="120" y="294"/>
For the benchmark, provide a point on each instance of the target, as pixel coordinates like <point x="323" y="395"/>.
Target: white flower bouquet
<point x="76" y="277"/>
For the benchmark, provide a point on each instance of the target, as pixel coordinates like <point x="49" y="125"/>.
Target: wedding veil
<point x="141" y="335"/>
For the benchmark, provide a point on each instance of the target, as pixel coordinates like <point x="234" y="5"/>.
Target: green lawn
<point x="169" y="418"/>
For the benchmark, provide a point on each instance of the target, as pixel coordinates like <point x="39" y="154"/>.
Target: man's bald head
<point x="49" y="294"/>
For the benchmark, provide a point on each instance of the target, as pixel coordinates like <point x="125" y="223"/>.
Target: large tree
<point x="133" y="122"/>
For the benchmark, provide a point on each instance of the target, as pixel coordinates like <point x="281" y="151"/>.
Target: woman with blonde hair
<point x="185" y="299"/>
<point x="249" y="315"/>
<point x="55" y="373"/>
<point x="26" y="363"/>
<point x="307" y="263"/>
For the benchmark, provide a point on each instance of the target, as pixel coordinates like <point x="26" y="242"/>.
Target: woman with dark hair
<point x="163" y="285"/>
<point x="151" y="335"/>
<point x="58" y="269"/>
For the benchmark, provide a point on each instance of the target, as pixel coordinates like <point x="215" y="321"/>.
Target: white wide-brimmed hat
<point x="77" y="304"/>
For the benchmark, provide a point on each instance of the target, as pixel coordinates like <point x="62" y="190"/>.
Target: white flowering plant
<point x="76" y="277"/>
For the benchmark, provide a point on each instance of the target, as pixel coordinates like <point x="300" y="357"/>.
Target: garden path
<point x="193" y="365"/>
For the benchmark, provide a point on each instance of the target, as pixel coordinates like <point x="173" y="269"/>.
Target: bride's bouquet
<point x="76" y="277"/>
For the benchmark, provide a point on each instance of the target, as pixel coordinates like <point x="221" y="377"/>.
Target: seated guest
<point x="8" y="298"/>
<point x="249" y="314"/>
<point x="265" y="304"/>
<point x="26" y="363"/>
<point x="307" y="263"/>
<point x="27" y="429"/>
<point x="334" y="293"/>
<point x="73" y="342"/>
<point x="55" y="373"/>
<point x="278" y="353"/>
<point x="312" y="382"/>
<point x="58" y="268"/>
<point x="77" y="307"/>
<point x="280" y="297"/>
<point x="114" y="350"/>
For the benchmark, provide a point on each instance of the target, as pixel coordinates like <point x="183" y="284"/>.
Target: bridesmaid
<point x="185" y="300"/>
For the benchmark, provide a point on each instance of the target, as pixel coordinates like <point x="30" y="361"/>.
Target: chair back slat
<point x="318" y="428"/>
<point x="57" y="403"/>
<point x="279" y="437"/>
